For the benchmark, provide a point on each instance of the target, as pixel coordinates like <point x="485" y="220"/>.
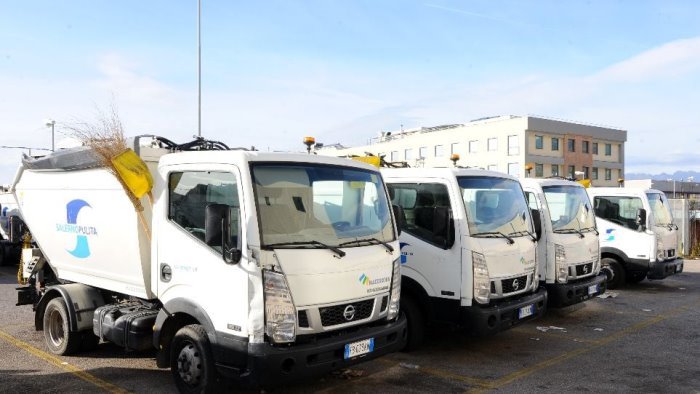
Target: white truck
<point x="468" y="250"/>
<point x="568" y="253"/>
<point x="638" y="238"/>
<point x="263" y="267"/>
<point x="12" y="229"/>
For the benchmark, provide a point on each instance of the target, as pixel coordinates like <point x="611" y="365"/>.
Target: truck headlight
<point x="280" y="313"/>
<point x="659" y="248"/>
<point x="395" y="297"/>
<point x="562" y="270"/>
<point x="482" y="281"/>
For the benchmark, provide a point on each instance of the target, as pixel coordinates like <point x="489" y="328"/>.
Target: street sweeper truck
<point x="263" y="267"/>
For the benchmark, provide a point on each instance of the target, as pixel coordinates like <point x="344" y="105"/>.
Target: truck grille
<point x="339" y="314"/>
<point x="303" y="319"/>
<point x="584" y="269"/>
<point x="511" y="285"/>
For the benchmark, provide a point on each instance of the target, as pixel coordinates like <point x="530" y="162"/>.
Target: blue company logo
<point x="611" y="236"/>
<point x="404" y="254"/>
<point x="81" y="250"/>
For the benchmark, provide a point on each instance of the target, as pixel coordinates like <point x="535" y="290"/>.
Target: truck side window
<point x="531" y="200"/>
<point x="419" y="202"/>
<point x="619" y="210"/>
<point x="190" y="192"/>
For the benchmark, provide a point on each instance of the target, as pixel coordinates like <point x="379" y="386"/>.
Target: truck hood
<point x="578" y="250"/>
<point x="669" y="238"/>
<point x="506" y="260"/>
<point x="316" y="276"/>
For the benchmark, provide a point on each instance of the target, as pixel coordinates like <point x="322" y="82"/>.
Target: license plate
<point x="359" y="348"/>
<point x="592" y="289"/>
<point x="526" y="311"/>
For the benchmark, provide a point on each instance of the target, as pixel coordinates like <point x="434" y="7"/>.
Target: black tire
<point x="57" y="335"/>
<point x="88" y="341"/>
<point x="636" y="277"/>
<point x="619" y="276"/>
<point x="415" y="323"/>
<point x="191" y="360"/>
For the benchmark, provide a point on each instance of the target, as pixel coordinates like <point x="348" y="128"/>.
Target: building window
<point x="594" y="175"/>
<point x="608" y="174"/>
<point x="584" y="146"/>
<point x="538" y="142"/>
<point x="513" y="145"/>
<point x="586" y="172"/>
<point x="408" y="154"/>
<point x="539" y="170"/>
<point x="555" y="143"/>
<point x="473" y="146"/>
<point x="439" y="150"/>
<point x="571" y="144"/>
<point x="394" y="155"/>
<point x="555" y="170"/>
<point x="492" y="144"/>
<point x="453" y="147"/>
<point x="422" y="152"/>
<point x="572" y="170"/>
<point x="608" y="149"/>
<point x="514" y="169"/>
<point x="595" y="148"/>
<point x="493" y="167"/>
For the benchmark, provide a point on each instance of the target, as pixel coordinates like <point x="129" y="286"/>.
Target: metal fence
<point x="686" y="215"/>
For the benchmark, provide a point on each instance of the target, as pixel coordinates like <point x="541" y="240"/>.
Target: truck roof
<point x="549" y="182"/>
<point x="442" y="172"/>
<point x="621" y="191"/>
<point x="240" y="157"/>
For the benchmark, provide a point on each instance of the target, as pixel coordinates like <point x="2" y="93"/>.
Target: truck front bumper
<point x="492" y="319"/>
<point x="565" y="294"/>
<point x="270" y="366"/>
<point x="662" y="269"/>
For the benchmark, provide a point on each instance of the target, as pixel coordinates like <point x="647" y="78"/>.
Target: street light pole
<point x="52" y="123"/>
<point x="199" y="68"/>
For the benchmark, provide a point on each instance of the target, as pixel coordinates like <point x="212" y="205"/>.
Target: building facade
<point x="507" y="144"/>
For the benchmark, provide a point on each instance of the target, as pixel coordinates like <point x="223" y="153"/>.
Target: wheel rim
<point x="189" y="364"/>
<point x="56" y="333"/>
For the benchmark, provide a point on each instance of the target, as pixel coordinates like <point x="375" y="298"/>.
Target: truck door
<point x="618" y="225"/>
<point x="188" y="270"/>
<point x="429" y="253"/>
<point x="534" y="203"/>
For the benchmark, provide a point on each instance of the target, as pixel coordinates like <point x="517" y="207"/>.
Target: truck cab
<point x="568" y="253"/>
<point x="638" y="238"/>
<point x="468" y="249"/>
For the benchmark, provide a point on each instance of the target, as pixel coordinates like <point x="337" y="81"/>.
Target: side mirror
<point x="641" y="221"/>
<point x="443" y="226"/>
<point x="400" y="217"/>
<point x="217" y="231"/>
<point x="537" y="221"/>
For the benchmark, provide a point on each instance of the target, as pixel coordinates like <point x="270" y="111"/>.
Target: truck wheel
<point x="59" y="339"/>
<point x="415" y="322"/>
<point x="616" y="270"/>
<point x="191" y="360"/>
<point x="636" y="277"/>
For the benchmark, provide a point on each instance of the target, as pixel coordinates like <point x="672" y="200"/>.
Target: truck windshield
<point x="307" y="205"/>
<point x="569" y="208"/>
<point x="495" y="206"/>
<point x="660" y="209"/>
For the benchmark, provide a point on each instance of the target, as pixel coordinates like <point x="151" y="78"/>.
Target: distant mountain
<point x="678" y="175"/>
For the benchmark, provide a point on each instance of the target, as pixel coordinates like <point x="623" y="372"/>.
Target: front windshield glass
<point x="660" y="208"/>
<point x="495" y="205"/>
<point x="308" y="204"/>
<point x="569" y="208"/>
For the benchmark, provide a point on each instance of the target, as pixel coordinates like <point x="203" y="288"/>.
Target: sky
<point x="343" y="71"/>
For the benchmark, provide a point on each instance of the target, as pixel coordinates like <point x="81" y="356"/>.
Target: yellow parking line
<point x="498" y="383"/>
<point x="109" y="387"/>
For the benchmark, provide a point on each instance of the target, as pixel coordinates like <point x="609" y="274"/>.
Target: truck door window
<point x="619" y="210"/>
<point x="189" y="193"/>
<point x="531" y="200"/>
<point x="419" y="202"/>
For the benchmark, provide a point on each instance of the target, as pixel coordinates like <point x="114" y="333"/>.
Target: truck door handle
<point x="166" y="273"/>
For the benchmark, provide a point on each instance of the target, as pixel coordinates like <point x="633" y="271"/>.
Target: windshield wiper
<point x="373" y="241"/>
<point x="569" y="231"/>
<point x="589" y="229"/>
<point x="307" y="243"/>
<point x="494" y="234"/>
<point x="524" y="232"/>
